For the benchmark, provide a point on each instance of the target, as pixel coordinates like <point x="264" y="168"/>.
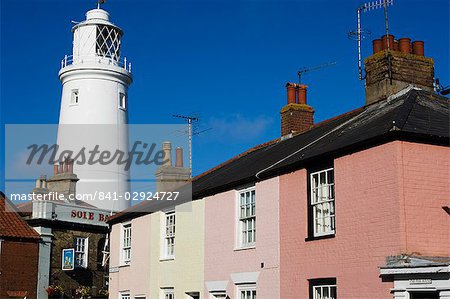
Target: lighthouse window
<point x="108" y="42"/>
<point x="74" y="99"/>
<point x="122" y="101"/>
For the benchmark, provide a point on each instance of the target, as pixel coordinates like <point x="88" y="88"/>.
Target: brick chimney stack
<point x="63" y="180"/>
<point x="297" y="116"/>
<point x="41" y="185"/>
<point x="388" y="72"/>
<point x="169" y="177"/>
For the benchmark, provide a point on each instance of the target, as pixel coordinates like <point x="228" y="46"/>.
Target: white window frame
<point x="167" y="293"/>
<point x="322" y="287"/>
<point x="323" y="197"/>
<point x="124" y="295"/>
<point x="246" y="288"/>
<point x="125" y="243"/>
<point x="81" y="245"/>
<point x="218" y="295"/>
<point x="122" y="101"/>
<point x="74" y="97"/>
<point x="168" y="235"/>
<point x="246" y="218"/>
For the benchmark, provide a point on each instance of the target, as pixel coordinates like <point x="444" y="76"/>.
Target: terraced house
<point x="157" y="251"/>
<point x="352" y="207"/>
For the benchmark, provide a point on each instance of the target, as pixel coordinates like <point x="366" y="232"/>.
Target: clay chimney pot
<point x="377" y="45"/>
<point x="385" y="39"/>
<point x="179" y="157"/>
<point x="302" y="93"/>
<point x="290" y="93"/>
<point x="418" y="48"/>
<point x="404" y="45"/>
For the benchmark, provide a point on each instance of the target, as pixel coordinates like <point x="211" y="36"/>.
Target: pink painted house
<point x="241" y="260"/>
<point x="388" y="202"/>
<point x="354" y="207"/>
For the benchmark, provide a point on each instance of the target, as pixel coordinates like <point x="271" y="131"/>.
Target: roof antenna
<point x="311" y="69"/>
<point x="190" y="119"/>
<point x="359" y="34"/>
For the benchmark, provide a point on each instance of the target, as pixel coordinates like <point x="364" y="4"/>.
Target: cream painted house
<point x="157" y="249"/>
<point x="145" y="264"/>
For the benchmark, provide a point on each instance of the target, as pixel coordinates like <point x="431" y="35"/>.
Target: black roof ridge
<point x="403" y="115"/>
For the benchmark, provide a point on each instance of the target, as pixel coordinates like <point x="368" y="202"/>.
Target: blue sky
<point x="227" y="61"/>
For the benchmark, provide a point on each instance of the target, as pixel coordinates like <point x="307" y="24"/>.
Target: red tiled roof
<point x="11" y="225"/>
<point x="25" y="209"/>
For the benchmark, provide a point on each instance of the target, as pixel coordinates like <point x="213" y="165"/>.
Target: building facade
<point x="65" y="224"/>
<point x="242" y="254"/>
<point x="388" y="201"/>
<point x="353" y="207"/>
<point x="159" y="253"/>
<point x="19" y="254"/>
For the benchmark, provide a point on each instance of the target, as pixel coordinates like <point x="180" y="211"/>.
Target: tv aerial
<point x="191" y="120"/>
<point x="359" y="34"/>
<point x="305" y="70"/>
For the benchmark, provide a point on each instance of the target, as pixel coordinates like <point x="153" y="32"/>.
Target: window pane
<point x="325" y="292"/>
<point x="333" y="293"/>
<point x="330" y="176"/>
<point x="322" y="201"/>
<point x="317" y="293"/>
<point x="314" y="182"/>
<point x="169" y="238"/>
<point x="247" y="219"/>
<point x="322" y="178"/>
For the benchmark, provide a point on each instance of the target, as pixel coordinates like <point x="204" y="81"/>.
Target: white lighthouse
<point x="94" y="104"/>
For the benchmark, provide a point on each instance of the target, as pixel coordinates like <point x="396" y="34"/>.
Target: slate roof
<point x="11" y="224"/>
<point x="416" y="115"/>
<point x="412" y="115"/>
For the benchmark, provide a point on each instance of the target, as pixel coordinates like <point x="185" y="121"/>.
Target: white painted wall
<point x="148" y="273"/>
<point x="97" y="118"/>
